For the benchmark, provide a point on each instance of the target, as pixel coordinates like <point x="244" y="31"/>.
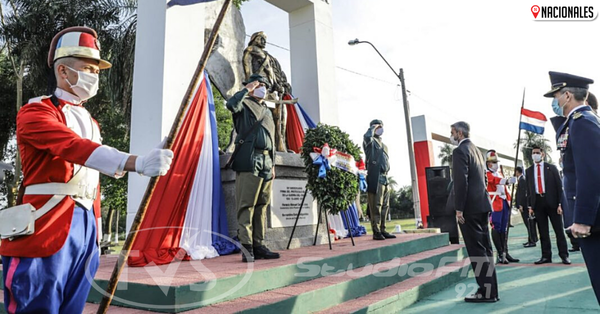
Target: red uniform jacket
<point x="48" y="151"/>
<point x="494" y="187"/>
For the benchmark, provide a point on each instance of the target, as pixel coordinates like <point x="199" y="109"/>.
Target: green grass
<point x="390" y="225"/>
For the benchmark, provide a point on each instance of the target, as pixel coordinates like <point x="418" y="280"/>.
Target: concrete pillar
<point x="169" y="44"/>
<point x="423" y="158"/>
<point x="312" y="57"/>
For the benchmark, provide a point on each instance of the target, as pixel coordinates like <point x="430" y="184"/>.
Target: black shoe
<point x="566" y="261"/>
<point x="543" y="260"/>
<point x="574" y="249"/>
<point x="388" y="235"/>
<point x="261" y="252"/>
<point x="501" y="260"/>
<point x="378" y="236"/>
<point x="511" y="259"/>
<point x="247" y="257"/>
<point x="480" y="298"/>
<point x="530" y="245"/>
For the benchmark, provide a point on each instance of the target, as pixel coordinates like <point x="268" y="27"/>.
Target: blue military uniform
<point x="578" y="140"/>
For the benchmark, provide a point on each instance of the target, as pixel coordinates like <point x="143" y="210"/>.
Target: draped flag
<point x="298" y="122"/>
<point x="185" y="2"/>
<point x="186" y="215"/>
<point x="532" y="121"/>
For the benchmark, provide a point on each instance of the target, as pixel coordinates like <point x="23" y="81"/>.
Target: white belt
<point x="20" y="220"/>
<point x="71" y="189"/>
<point x="494" y="194"/>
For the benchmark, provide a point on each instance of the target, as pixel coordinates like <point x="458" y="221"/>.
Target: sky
<point x="467" y="60"/>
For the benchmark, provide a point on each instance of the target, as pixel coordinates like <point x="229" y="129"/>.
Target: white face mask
<point x="494" y="167"/>
<point x="536" y="157"/>
<point x="453" y="140"/>
<point x="260" y="92"/>
<point x="86" y="86"/>
<point x="379" y="131"/>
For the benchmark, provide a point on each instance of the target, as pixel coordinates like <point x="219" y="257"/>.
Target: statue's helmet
<point x="255" y="36"/>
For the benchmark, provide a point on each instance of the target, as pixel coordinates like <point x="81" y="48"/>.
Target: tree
<point x="401" y="203"/>
<point x="529" y="141"/>
<point x="224" y="119"/>
<point x="446" y="154"/>
<point x="393" y="184"/>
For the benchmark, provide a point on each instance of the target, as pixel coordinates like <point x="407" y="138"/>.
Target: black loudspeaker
<point x="438" y="190"/>
<point x="438" y="180"/>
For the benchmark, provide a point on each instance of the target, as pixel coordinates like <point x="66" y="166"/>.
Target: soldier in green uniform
<point x="378" y="190"/>
<point x="253" y="163"/>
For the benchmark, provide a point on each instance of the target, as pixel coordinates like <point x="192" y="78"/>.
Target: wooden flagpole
<point x="137" y="222"/>
<point x="512" y="192"/>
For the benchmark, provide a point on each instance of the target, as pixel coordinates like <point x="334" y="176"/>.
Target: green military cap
<point x="257" y="77"/>
<point x="376" y="121"/>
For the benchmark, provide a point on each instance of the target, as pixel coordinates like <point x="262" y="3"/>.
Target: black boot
<point x="509" y="258"/>
<point x="247" y="257"/>
<point x="497" y="239"/>
<point x="388" y="235"/>
<point x="378" y="236"/>
<point x="261" y="252"/>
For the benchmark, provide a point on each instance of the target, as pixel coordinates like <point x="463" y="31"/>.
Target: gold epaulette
<point x="577" y="115"/>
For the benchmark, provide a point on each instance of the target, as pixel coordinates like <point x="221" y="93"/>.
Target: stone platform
<point x="308" y="279"/>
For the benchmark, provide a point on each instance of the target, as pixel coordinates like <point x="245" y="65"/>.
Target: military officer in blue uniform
<point x="578" y="140"/>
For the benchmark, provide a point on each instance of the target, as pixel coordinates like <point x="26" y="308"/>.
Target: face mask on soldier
<point x="556" y="107"/>
<point x="379" y="131"/>
<point x="494" y="167"/>
<point x="86" y="86"/>
<point x="260" y="92"/>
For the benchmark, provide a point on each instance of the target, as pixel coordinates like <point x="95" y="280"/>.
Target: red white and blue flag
<point x="186" y="216"/>
<point x="532" y="121"/>
<point x="298" y="122"/>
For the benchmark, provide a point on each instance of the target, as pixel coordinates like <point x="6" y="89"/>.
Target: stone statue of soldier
<point x="257" y="60"/>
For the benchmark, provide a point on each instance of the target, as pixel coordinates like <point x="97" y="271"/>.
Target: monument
<point x="164" y="66"/>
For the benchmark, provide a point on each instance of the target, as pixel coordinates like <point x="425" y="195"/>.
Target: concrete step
<point x="188" y="287"/>
<point x="329" y="291"/>
<point x="395" y="298"/>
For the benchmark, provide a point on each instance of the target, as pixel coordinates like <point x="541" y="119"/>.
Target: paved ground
<point x="524" y="287"/>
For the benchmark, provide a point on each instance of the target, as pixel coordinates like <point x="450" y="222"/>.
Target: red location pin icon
<point x="535" y="10"/>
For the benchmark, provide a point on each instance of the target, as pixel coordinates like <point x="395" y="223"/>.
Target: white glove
<point x="512" y="180"/>
<point x="155" y="163"/>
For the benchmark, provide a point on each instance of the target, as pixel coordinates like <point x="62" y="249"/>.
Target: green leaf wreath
<point x="337" y="191"/>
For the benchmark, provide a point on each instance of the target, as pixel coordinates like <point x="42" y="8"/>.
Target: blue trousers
<point x="590" y="247"/>
<point x="500" y="219"/>
<point x="59" y="283"/>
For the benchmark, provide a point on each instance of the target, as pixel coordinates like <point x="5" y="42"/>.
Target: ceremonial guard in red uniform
<point x="49" y="243"/>
<point x="500" y="199"/>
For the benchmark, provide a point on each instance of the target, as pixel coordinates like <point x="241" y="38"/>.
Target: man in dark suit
<point x="578" y="140"/>
<point x="473" y="208"/>
<point x="544" y="199"/>
<point x="521" y="204"/>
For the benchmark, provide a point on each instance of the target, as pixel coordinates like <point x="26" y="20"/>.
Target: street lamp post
<point x="411" y="152"/>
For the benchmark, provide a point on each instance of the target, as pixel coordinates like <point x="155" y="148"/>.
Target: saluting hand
<point x="252" y="85"/>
